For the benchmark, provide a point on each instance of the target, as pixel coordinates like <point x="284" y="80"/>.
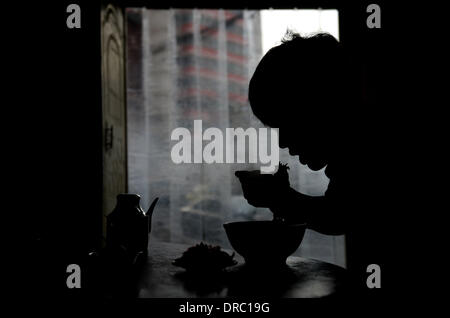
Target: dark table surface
<point x="301" y="277"/>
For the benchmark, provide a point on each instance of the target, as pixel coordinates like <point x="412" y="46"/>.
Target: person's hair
<point x="302" y="76"/>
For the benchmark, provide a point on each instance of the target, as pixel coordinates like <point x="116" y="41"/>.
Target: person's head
<point x="301" y="87"/>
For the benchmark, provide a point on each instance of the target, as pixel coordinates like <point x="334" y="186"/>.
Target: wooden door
<point x="114" y="107"/>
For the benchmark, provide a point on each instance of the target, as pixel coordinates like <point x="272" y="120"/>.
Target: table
<point x="301" y="278"/>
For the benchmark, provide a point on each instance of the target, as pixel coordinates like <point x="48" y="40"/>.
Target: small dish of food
<point x="205" y="258"/>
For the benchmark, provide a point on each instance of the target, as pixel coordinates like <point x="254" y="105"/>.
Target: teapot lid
<point x="127" y="202"/>
<point x="128" y="198"/>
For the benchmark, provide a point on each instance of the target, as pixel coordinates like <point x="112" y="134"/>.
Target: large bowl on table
<point x="265" y="243"/>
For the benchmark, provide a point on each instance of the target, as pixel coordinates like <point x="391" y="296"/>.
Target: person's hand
<point x="264" y="190"/>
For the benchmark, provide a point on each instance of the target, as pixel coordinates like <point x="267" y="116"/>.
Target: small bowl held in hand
<point x="265" y="243"/>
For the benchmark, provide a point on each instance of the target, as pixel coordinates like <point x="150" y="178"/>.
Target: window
<point x="184" y="65"/>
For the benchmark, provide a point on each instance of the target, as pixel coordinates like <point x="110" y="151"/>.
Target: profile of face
<point x="312" y="149"/>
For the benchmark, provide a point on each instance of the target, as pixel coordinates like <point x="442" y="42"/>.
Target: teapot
<point x="128" y="227"/>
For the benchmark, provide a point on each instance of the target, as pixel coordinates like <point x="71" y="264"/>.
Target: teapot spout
<point x="152" y="207"/>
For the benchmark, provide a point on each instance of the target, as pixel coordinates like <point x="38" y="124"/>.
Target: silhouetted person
<point x="306" y="88"/>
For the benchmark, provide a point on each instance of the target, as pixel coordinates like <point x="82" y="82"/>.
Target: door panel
<point x="114" y="108"/>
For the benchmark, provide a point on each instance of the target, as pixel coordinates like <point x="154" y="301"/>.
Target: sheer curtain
<point x="186" y="65"/>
